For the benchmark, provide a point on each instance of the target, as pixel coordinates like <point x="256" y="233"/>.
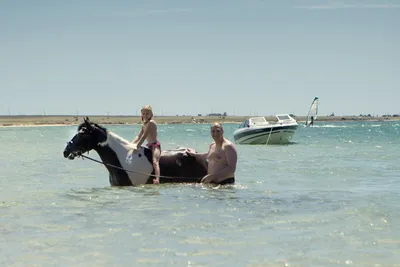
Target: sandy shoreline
<point x="6" y="121"/>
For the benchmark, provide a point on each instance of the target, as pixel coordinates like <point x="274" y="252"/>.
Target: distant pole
<point x="9" y="112"/>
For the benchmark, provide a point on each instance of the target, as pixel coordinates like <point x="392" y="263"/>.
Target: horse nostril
<point x="139" y="155"/>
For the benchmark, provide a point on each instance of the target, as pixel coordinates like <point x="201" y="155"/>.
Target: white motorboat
<point x="257" y="131"/>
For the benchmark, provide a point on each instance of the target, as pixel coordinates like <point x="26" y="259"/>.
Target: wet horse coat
<point x="175" y="165"/>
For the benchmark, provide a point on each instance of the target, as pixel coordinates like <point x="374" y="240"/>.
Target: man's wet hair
<point x="216" y="124"/>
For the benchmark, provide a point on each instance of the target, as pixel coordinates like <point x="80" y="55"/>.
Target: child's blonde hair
<point x="147" y="107"/>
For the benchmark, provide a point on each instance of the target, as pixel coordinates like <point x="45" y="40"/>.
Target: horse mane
<point x="80" y="126"/>
<point x="116" y="136"/>
<point x="108" y="132"/>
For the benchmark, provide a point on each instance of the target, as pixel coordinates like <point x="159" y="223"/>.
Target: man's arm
<point x="231" y="160"/>
<point x="200" y="156"/>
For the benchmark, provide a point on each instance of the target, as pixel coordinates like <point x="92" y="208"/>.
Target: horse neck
<point x="113" y="153"/>
<point x="114" y="143"/>
<point x="111" y="150"/>
<point x="114" y="146"/>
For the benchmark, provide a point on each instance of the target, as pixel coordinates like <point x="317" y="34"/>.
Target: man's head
<point x="217" y="132"/>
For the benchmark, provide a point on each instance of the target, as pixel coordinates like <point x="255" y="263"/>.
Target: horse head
<point x="88" y="137"/>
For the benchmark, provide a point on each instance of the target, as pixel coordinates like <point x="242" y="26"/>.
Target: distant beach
<point x="58" y="120"/>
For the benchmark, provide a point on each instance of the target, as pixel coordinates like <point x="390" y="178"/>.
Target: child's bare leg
<point x="156" y="165"/>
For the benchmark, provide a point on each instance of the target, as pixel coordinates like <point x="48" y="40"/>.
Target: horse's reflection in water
<point x="175" y="165"/>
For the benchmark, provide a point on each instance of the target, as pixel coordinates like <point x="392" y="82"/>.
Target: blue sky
<point x="189" y="57"/>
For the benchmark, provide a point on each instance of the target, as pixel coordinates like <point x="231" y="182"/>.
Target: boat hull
<point x="265" y="135"/>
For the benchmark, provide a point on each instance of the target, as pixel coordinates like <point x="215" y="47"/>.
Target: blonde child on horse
<point x="149" y="133"/>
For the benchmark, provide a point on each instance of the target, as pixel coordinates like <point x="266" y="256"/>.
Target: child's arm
<point x="138" y="136"/>
<point x="150" y="127"/>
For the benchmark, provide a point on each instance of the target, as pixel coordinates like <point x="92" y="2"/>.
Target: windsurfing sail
<point x="312" y="112"/>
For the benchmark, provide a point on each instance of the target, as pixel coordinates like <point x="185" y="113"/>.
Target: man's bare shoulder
<point x="229" y="147"/>
<point x="228" y="143"/>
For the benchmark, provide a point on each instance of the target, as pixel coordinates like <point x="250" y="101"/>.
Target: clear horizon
<point x="194" y="115"/>
<point x="197" y="57"/>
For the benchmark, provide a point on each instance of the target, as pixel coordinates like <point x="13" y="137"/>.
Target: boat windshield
<point x="258" y="121"/>
<point x="283" y="117"/>
<point x="244" y="124"/>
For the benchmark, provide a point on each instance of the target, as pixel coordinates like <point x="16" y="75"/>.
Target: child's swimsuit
<point x="154" y="145"/>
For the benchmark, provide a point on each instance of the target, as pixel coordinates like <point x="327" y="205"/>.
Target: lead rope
<point x="269" y="135"/>
<point x="116" y="167"/>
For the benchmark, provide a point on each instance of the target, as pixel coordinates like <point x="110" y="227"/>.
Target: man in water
<point x="221" y="157"/>
<point x="312" y="121"/>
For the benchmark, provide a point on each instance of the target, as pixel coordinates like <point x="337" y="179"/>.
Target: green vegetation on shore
<point x="101" y="119"/>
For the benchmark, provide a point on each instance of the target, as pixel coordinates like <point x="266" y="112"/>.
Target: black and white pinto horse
<point x="175" y="165"/>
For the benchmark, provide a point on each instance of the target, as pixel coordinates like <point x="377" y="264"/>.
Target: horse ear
<point x="87" y="123"/>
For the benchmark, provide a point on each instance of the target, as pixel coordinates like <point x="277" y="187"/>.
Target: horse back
<point x="176" y="167"/>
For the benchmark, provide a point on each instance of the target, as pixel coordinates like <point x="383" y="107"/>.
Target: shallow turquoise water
<point x="329" y="199"/>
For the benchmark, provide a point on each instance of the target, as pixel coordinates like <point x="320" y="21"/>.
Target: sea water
<point x="329" y="199"/>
